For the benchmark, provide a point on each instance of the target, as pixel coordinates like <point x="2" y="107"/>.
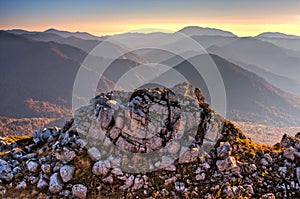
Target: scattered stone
<point x="42" y="183"/>
<point x="32" y="166"/>
<point x="289" y="153"/>
<point x="101" y="168"/>
<point x="200" y="177"/>
<point x="226" y="164"/>
<point x="79" y="191"/>
<point x="117" y="171"/>
<point x="227" y="191"/>
<point x="46" y="168"/>
<point x="170" y="180"/>
<point x="21" y="185"/>
<point x="65" y="193"/>
<point x="66" y="173"/>
<point x="223" y="150"/>
<point x="55" y="185"/>
<point x="109" y="179"/>
<point x="268" y="196"/>
<point x="264" y="162"/>
<point x="66" y="155"/>
<point x="249" y="188"/>
<point x="298" y="174"/>
<point x="138" y="183"/>
<point x="5" y="171"/>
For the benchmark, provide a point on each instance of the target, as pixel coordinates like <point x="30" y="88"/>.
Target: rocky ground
<point x="152" y="143"/>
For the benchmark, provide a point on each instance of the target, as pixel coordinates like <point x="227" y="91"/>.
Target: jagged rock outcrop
<point x="104" y="152"/>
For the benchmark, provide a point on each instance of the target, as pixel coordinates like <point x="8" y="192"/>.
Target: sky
<point x="244" y="18"/>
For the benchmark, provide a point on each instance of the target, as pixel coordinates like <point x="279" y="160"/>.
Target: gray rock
<point x="226" y="164"/>
<point x="21" y="185"/>
<point x="117" y="171"/>
<point x="287" y="141"/>
<point x="170" y="180"/>
<point x="81" y="143"/>
<point x="200" y="176"/>
<point x="227" y="191"/>
<point x="101" y="167"/>
<point x="66" y="155"/>
<point x="264" y="162"/>
<point x="224" y="150"/>
<point x="33" y="179"/>
<point x="173" y="147"/>
<point x="109" y="179"/>
<point x="249" y="188"/>
<point x="17" y="170"/>
<point x="65" y="193"/>
<point x="44" y="160"/>
<point x="79" y="191"/>
<point x="206" y="166"/>
<point x="289" y="153"/>
<point x="5" y="171"/>
<point x="55" y="185"/>
<point x="46" y="168"/>
<point x="32" y="166"/>
<point x="105" y="118"/>
<point x="298" y="174"/>
<point x="179" y="186"/>
<point x="166" y="161"/>
<point x="188" y="156"/>
<point x="154" y="143"/>
<point x="94" y="154"/>
<point x="128" y="183"/>
<point x="42" y="183"/>
<point x="138" y="183"/>
<point x="268" y="196"/>
<point x="66" y="173"/>
<point x="29" y="156"/>
<point x="268" y="158"/>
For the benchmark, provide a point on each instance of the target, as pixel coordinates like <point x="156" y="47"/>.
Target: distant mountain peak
<point x="196" y="30"/>
<point x="277" y="35"/>
<point x="65" y="34"/>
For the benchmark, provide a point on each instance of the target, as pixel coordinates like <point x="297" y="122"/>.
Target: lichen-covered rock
<point x="94" y="154"/>
<point x="188" y="156"/>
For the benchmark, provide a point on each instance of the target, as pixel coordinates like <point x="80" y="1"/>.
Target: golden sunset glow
<point x="243" y="18"/>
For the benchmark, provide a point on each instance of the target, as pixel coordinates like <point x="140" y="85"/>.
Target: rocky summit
<point x="148" y="143"/>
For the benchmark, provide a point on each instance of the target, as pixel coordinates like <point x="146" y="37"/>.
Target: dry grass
<point x="11" y="139"/>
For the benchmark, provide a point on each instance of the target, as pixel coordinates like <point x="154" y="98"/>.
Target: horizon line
<point x="145" y="31"/>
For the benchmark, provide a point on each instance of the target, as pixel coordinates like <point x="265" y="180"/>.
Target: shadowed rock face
<point x="101" y="153"/>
